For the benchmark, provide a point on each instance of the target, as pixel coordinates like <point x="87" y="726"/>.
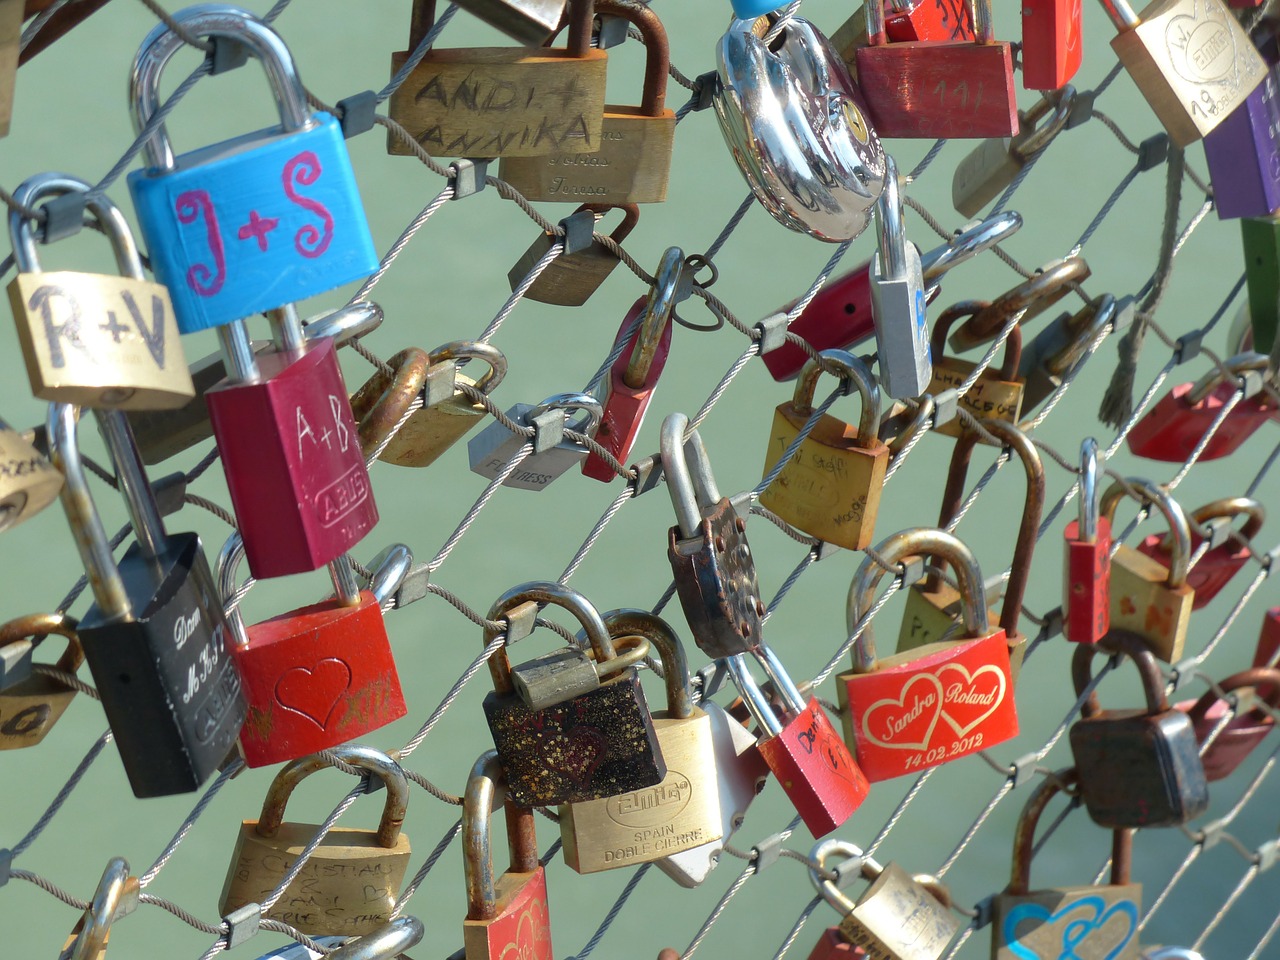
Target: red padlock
<point x="802" y="749"/>
<point x="928" y="20"/>
<point x="290" y="450"/>
<point x="1086" y="588"/>
<point x="1219" y="564"/>
<point x="1052" y="42"/>
<point x="1242" y="732"/>
<point x="316" y="677"/>
<point x="635" y="373"/>
<point x="1268" y="652"/>
<point x="1176" y="425"/>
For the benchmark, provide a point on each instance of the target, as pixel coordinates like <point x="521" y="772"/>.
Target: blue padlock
<point x="252" y="223"/>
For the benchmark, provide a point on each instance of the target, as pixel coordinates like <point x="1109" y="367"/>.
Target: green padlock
<point x="1261" y="236"/>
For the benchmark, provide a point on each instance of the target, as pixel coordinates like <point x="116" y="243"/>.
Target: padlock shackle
<point x="486" y="788"/>
<point x="46" y="186"/>
<point x="1088" y="516"/>
<point x="286" y="330"/>
<point x="657" y="61"/>
<point x="874" y="12"/>
<point x="851" y="371"/>
<point x="384" y="399"/>
<point x="1086" y="325"/>
<point x="757" y="704"/>
<point x="43" y="624"/>
<point x="1060" y="102"/>
<point x="630" y="217"/>
<point x="626" y="622"/>
<point x="1234" y="507"/>
<point x="915" y="542"/>
<point x="388" y="941"/>
<point x="1121" y="14"/>
<point x="1119" y="641"/>
<point x="1038" y="293"/>
<point x="344" y="324"/>
<point x="373" y="762"/>
<point x="475" y="350"/>
<point x="211" y="21"/>
<point x="826" y="850"/>
<point x="588" y="404"/>
<point x="658" y="310"/>
<point x="891" y="234"/>
<point x="117" y="894"/>
<point x="1008" y="370"/>
<point x="1254" y="677"/>
<point x="979" y="238"/>
<point x="691" y="485"/>
<point x="544" y="592"/>
<point x="131" y="477"/>
<point x="390" y="566"/>
<point x="1179" y="529"/>
<point x="1200" y="390"/>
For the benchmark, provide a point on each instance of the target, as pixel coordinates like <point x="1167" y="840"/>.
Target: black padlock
<point x="714" y="571"/>
<point x="1138" y="768"/>
<point x="155" y="637"/>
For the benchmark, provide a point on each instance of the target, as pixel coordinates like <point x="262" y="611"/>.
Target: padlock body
<point x="500" y="102"/>
<point x="1086" y="583"/>
<point x="292" y="459"/>
<point x="1173" y="428"/>
<point x="599" y="744"/>
<point x="254" y="223"/>
<point x="929" y="614"/>
<point x="1193" y="63"/>
<point x="347" y="887"/>
<point x="1261" y="240"/>
<point x="1212" y="571"/>
<point x="815" y="769"/>
<point x="1268" y="642"/>
<point x="833" y="944"/>
<point x="983" y="174"/>
<point x="1142" y="601"/>
<point x="716" y="582"/>
<point x="902" y="329"/>
<point x="28" y="482"/>
<point x="1052" y="43"/>
<point x="1139" y="770"/>
<point x="1234" y="742"/>
<point x="641" y="826"/>
<point x="930" y="705"/>
<point x="839" y="316"/>
<point x="567" y="281"/>
<point x="1243" y="153"/>
<point x="830" y="488"/>
<point x="492" y="449"/>
<point x="1099" y="921"/>
<point x="522" y="928"/>
<point x="168" y="684"/>
<point x="897" y="917"/>
<point x="99" y="341"/>
<point x="928" y="90"/>
<point x="30" y="708"/>
<point x="315" y="678"/>
<point x="633" y="164"/>
<point x="431" y="431"/>
<point x="988" y="397"/>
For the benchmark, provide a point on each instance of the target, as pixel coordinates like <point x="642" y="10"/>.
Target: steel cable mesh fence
<point x="1009" y="769"/>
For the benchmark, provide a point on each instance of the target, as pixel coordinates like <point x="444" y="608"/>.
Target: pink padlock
<point x="1242" y="732"/>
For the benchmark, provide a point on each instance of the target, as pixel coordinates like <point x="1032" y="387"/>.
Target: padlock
<point x="994" y="164"/>
<point x="1220" y="563"/>
<point x="898" y="299"/>
<point x="11" y="17"/>
<point x="1243" y="151"/>
<point x="350" y="883"/>
<point x="926" y="90"/>
<point x="571" y="278"/>
<point x="1061" y="348"/>
<point x="499" y="101"/>
<point x="384" y="399"/>
<point x="897" y="917"/>
<point x="315" y="677"/>
<point x="915" y="710"/>
<point x="1266" y="653"/>
<point x="256" y="222"/>
<point x="1245" y="729"/>
<point x="1082" y="921"/>
<point x="1137" y="768"/>
<point x="830" y="488"/>
<point x="841" y="315"/>
<point x="1033" y="296"/>
<point x="811" y="763"/>
<point x="996" y="394"/>
<point x="918" y="627"/>
<point x="507" y="918"/>
<point x="447" y="418"/>
<point x="1190" y="59"/>
<point x="597" y="743"/>
<point x="677" y="814"/>
<point x="155" y="636"/>
<point x="711" y="561"/>
<point x="1151" y="598"/>
<point x="633" y="163"/>
<point x="1086" y="565"/>
<point x="531" y="22"/>
<point x="91" y="339"/>
<point x="907" y="20"/>
<point x="492" y="450"/>
<point x="30" y="707"/>
<point x="1260" y="237"/>
<point x="796" y="125"/>
<point x="116" y="896"/>
<point x="634" y="375"/>
<point x="386" y="942"/>
<point x="290" y="450"/>
<point x="1052" y="43"/>
<point x="28" y="481"/>
<point x="1176" y="425"/>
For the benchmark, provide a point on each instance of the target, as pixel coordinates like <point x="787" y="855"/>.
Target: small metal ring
<point x="695" y="262"/>
<point x="636" y="650"/>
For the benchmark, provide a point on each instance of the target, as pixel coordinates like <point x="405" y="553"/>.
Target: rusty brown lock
<point x="383" y="401"/>
<point x="571" y="278"/>
<point x="1038" y="293"/>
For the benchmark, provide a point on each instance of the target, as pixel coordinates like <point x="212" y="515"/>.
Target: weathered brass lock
<point x="30" y="707"/>
<point x="28" y="481"/>
<point x="116" y="897"/>
<point x="571" y="278"/>
<point x="996" y="394"/>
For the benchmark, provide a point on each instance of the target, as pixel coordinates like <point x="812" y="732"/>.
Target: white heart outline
<point x="1004" y="688"/>
<point x="889" y="701"/>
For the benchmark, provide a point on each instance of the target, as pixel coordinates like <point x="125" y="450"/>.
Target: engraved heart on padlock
<point x="898" y="717"/>
<point x="1076" y="931"/>
<point x="966" y="699"/>
<point x="314" y="692"/>
<point x="533" y="935"/>
<point x="1201" y="47"/>
<point x="577" y="754"/>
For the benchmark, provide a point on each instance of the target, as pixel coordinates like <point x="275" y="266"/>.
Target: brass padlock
<point x="28" y="481"/>
<point x="499" y="101"/>
<point x="679" y="813"/>
<point x="633" y="164"/>
<point x="11" y="13"/>
<point x="30" y="707"/>
<point x="1147" y="597"/>
<point x="116" y="897"/>
<point x="830" y="488"/>
<point x="571" y="278"/>
<point x="350" y="883"/>
<point x="996" y="394"/>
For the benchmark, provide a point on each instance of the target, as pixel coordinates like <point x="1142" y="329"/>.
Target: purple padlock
<point x="1243" y="732"/>
<point x="1244" y="150"/>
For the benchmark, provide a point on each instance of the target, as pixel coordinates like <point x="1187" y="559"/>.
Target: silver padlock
<point x="493" y="448"/>
<point x="741" y="774"/>
<point x="898" y="299"/>
<point x="531" y="22"/>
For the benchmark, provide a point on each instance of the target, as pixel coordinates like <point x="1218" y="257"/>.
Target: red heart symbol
<point x="577" y="754"/>
<point x="905" y="723"/>
<point x="314" y="693"/>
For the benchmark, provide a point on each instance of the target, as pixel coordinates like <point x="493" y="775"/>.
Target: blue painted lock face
<point x="253" y="223"/>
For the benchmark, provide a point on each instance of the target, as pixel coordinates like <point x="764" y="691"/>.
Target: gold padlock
<point x="28" y="481"/>
<point x="1148" y="598"/>
<point x="30" y="707"/>
<point x="633" y="164"/>
<point x="571" y="278"/>
<point x="830" y="488"/>
<point x="499" y="101"/>
<point x="995" y="395"/>
<point x="350" y="883"/>
<point x="116" y="897"/>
